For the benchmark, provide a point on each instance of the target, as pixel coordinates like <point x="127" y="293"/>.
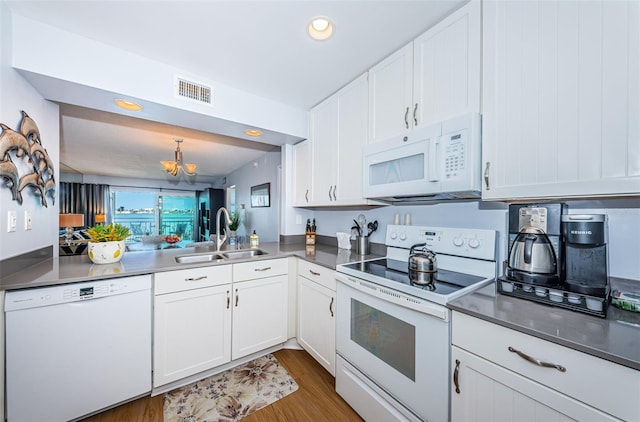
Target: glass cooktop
<point x="447" y="282"/>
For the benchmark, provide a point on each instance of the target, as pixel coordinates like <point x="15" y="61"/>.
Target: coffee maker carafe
<point x="585" y="243"/>
<point x="535" y="255"/>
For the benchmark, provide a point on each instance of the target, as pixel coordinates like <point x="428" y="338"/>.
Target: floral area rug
<point x="230" y="395"/>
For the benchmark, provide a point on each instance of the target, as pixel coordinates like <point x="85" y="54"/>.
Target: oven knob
<point x="457" y="241"/>
<point x="393" y="235"/>
<point x="403" y="236"/>
<point x="474" y="243"/>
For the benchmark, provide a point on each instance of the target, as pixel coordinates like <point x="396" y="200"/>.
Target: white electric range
<point x="393" y="336"/>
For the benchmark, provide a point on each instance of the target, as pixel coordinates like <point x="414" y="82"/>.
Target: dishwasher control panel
<point x="46" y="296"/>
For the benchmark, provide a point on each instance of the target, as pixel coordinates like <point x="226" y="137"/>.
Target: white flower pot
<point x="106" y="252"/>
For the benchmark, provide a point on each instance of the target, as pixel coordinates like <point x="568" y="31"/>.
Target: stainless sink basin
<point x="242" y="254"/>
<point x="203" y="257"/>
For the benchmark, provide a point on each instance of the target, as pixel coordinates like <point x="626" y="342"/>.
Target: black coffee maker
<point x="585" y="242"/>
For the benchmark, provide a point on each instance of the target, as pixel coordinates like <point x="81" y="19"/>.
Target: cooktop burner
<point x="447" y="282"/>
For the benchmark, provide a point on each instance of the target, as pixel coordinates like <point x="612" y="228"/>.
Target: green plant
<point x="235" y="221"/>
<point x="108" y="233"/>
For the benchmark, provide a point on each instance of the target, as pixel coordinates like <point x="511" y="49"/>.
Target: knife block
<point x="310" y="238"/>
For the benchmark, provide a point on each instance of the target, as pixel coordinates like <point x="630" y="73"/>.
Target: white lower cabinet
<point x="495" y="378"/>
<point x="192" y="322"/>
<point x="488" y="392"/>
<point x="192" y="334"/>
<point x="260" y="306"/>
<point x="206" y="317"/>
<point x="259" y="315"/>
<point x="316" y="313"/>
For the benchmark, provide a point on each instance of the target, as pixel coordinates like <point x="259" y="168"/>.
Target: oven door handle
<point x="398" y="298"/>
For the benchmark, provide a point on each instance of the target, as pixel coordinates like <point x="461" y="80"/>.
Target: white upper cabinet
<point x="446" y="67"/>
<point x="561" y="89"/>
<point x="435" y="77"/>
<point x="302" y="173"/>
<point x="338" y="133"/>
<point x="390" y="95"/>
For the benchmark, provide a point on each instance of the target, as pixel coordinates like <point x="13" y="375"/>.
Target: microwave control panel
<point x="454" y="154"/>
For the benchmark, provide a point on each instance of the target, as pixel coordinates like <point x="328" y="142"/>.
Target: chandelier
<point x="174" y="167"/>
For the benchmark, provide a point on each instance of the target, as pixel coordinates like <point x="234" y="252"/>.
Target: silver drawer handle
<point x="537" y="361"/>
<point x="313" y="272"/>
<point x="262" y="269"/>
<point x="196" y="279"/>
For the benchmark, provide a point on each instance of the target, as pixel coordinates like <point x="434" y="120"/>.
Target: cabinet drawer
<point x="607" y="386"/>
<point x="314" y="272"/>
<point x="260" y="269"/>
<point x="192" y="278"/>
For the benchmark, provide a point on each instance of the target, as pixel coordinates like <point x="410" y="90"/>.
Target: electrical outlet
<point x="12" y="221"/>
<point x="298" y="219"/>
<point x="27" y="220"/>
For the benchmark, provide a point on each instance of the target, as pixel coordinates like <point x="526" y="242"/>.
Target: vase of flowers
<point x="107" y="243"/>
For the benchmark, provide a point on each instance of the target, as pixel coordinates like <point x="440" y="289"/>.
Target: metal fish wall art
<point x="26" y="145"/>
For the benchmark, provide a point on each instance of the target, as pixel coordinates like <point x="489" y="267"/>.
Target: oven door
<point x="404" y="350"/>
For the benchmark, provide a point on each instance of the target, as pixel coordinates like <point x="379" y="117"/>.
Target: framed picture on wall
<point x="261" y="195"/>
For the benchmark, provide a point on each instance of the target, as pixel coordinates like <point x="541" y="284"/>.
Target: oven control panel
<point x="472" y="243"/>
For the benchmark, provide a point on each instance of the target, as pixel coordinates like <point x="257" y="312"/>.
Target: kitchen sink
<point x="241" y="254"/>
<point x="203" y="257"/>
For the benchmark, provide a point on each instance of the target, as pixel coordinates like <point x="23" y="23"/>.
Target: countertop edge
<point x="487" y="305"/>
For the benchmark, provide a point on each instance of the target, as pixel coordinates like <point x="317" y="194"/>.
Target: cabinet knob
<point x="237" y="298"/>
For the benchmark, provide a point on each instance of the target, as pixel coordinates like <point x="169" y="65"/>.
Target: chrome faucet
<point x="227" y="221"/>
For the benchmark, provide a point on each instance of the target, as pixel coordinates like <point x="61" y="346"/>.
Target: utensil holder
<point x="362" y="245"/>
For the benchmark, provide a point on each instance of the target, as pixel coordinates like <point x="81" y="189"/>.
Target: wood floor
<point x="315" y="399"/>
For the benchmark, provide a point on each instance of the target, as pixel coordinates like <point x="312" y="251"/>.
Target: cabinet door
<point x="259" y="315"/>
<point x="302" y="173"/>
<point x="390" y="95"/>
<point x="316" y="322"/>
<point x="561" y="92"/>
<point x="446" y="68"/>
<point x="488" y="392"/>
<point x="324" y="142"/>
<point x="192" y="331"/>
<point x="352" y="137"/>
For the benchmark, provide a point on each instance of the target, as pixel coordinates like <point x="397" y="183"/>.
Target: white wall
<point x="263" y="220"/>
<point x="17" y="94"/>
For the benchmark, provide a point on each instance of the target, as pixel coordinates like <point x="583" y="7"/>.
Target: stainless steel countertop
<point x="79" y="268"/>
<point x="615" y="338"/>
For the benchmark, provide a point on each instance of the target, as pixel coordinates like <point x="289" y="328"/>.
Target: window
<point x="152" y="213"/>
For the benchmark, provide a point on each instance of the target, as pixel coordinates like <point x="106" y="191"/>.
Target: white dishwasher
<point x="75" y="349"/>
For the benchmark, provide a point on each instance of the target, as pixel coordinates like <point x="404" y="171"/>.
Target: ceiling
<point x="260" y="47"/>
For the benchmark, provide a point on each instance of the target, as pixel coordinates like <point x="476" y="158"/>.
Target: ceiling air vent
<point x="193" y="91"/>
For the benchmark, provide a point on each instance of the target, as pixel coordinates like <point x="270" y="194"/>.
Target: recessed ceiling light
<point x="320" y="28"/>
<point x="128" y="105"/>
<point x="253" y="132"/>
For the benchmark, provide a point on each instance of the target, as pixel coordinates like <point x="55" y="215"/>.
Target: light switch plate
<point x="27" y="220"/>
<point x="12" y="221"/>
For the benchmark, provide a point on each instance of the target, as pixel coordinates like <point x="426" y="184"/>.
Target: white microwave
<point x="439" y="161"/>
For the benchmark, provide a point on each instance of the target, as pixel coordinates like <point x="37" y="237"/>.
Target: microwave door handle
<point x="432" y="170"/>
